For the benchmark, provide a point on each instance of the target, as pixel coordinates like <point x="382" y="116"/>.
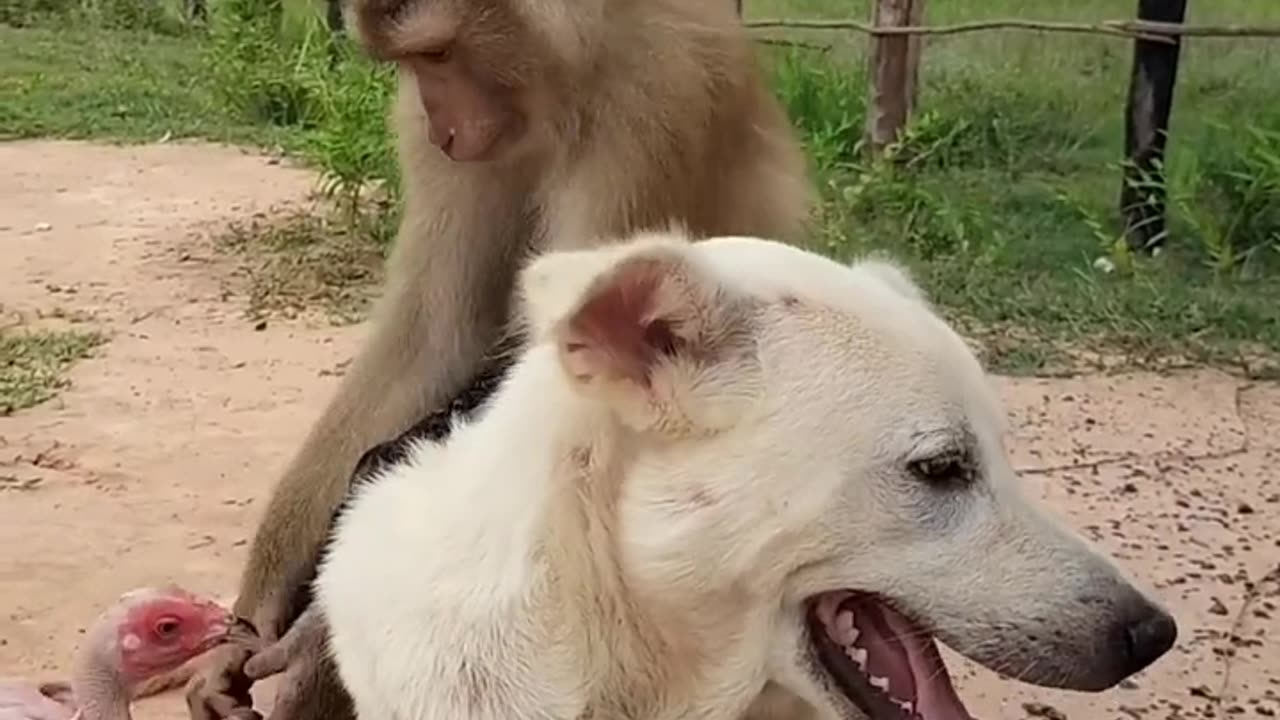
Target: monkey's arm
<point x="309" y="685"/>
<point x="446" y="298"/>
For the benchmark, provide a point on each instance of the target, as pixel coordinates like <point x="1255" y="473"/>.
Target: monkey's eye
<point x="167" y="627"/>
<point x="438" y="55"/>
<point x="944" y="469"/>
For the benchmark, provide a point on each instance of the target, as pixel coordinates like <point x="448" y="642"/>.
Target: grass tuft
<point x="301" y="261"/>
<point x="33" y="364"/>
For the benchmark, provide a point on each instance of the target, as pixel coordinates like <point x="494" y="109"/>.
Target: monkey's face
<point x="470" y="117"/>
<point x="480" y="70"/>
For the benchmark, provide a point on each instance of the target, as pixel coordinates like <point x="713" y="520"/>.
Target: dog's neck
<point x="640" y="656"/>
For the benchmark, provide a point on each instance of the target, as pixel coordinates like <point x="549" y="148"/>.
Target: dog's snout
<point x="1133" y="633"/>
<point x="1146" y="637"/>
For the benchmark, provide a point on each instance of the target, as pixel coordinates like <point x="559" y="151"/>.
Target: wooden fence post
<point x="1146" y="127"/>
<point x="333" y="16"/>
<point x="895" y="70"/>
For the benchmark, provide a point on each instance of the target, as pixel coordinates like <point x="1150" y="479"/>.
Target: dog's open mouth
<point x="884" y="663"/>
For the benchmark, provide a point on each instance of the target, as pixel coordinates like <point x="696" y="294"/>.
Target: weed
<point x="309" y="259"/>
<point x="255" y="73"/>
<point x="1231" y="201"/>
<point x="352" y="146"/>
<point x="33" y="364"/>
<point x="154" y="17"/>
<point x="826" y="102"/>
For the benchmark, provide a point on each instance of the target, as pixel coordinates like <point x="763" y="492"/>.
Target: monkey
<point x="520" y="126"/>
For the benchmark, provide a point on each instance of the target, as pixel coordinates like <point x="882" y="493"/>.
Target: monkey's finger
<point x="219" y="687"/>
<point x="224" y="706"/>
<point x="205" y="702"/>
<point x="306" y="634"/>
<point x="293" y="688"/>
<point x="269" y="661"/>
<point x="288" y="697"/>
<point x="195" y="697"/>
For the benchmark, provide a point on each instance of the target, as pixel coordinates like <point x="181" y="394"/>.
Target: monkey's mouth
<point x="885" y="664"/>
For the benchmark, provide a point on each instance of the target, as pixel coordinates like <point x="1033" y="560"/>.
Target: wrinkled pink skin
<point x="148" y="632"/>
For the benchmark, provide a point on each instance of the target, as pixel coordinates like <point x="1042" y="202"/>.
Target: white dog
<point x="724" y="472"/>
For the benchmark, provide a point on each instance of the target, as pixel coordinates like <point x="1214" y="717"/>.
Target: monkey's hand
<point x="219" y="689"/>
<point x="299" y="656"/>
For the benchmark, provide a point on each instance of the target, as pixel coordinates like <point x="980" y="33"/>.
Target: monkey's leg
<point x="300" y="652"/>
<point x="309" y="678"/>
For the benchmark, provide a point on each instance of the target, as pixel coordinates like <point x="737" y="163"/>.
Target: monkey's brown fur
<point x="524" y="125"/>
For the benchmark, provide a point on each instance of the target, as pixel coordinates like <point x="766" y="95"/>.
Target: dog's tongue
<point x="897" y="650"/>
<point x="936" y="697"/>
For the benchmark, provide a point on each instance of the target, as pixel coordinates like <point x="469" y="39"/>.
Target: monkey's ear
<point x="658" y="335"/>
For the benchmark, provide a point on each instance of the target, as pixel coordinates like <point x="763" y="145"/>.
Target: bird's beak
<point x="221" y="624"/>
<point x="222" y="628"/>
<point x="242" y="630"/>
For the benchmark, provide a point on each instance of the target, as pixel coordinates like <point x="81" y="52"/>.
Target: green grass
<point x="1002" y="197"/>
<point x="33" y="364"/>
<point x="1006" y="191"/>
<point x="121" y="85"/>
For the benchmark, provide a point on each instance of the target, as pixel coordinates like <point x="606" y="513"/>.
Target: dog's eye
<point x="945" y="469"/>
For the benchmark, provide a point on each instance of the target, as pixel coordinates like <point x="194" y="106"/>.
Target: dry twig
<point x="1131" y="29"/>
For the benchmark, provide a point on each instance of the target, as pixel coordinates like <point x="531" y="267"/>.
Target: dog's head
<point x="811" y="444"/>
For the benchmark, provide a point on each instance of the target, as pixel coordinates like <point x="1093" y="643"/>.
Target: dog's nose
<point x="1148" y="637"/>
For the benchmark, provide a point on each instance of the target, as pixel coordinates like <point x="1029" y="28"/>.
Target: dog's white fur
<point x="632" y="527"/>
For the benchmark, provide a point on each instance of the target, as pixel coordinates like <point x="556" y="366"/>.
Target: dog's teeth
<point x="845" y="629"/>
<point x="906" y="706"/>
<point x="858" y="655"/>
<point x="880" y="682"/>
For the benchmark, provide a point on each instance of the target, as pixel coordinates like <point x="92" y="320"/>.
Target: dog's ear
<point x="892" y="275"/>
<point x="651" y="330"/>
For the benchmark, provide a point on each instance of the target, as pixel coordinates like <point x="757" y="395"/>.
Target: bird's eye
<point x="945" y="469"/>
<point x="167" y="627"/>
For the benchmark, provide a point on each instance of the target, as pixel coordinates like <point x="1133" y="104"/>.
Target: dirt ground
<point x="152" y="465"/>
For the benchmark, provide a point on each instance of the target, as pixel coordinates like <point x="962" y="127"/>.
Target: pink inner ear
<point x="616" y="333"/>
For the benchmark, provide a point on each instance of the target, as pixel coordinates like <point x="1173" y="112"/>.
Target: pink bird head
<point x="159" y="629"/>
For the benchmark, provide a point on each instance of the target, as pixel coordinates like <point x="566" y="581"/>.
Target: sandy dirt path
<point x="153" y="465"/>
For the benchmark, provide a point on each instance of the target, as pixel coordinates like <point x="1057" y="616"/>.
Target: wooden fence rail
<point x="1145" y="29"/>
